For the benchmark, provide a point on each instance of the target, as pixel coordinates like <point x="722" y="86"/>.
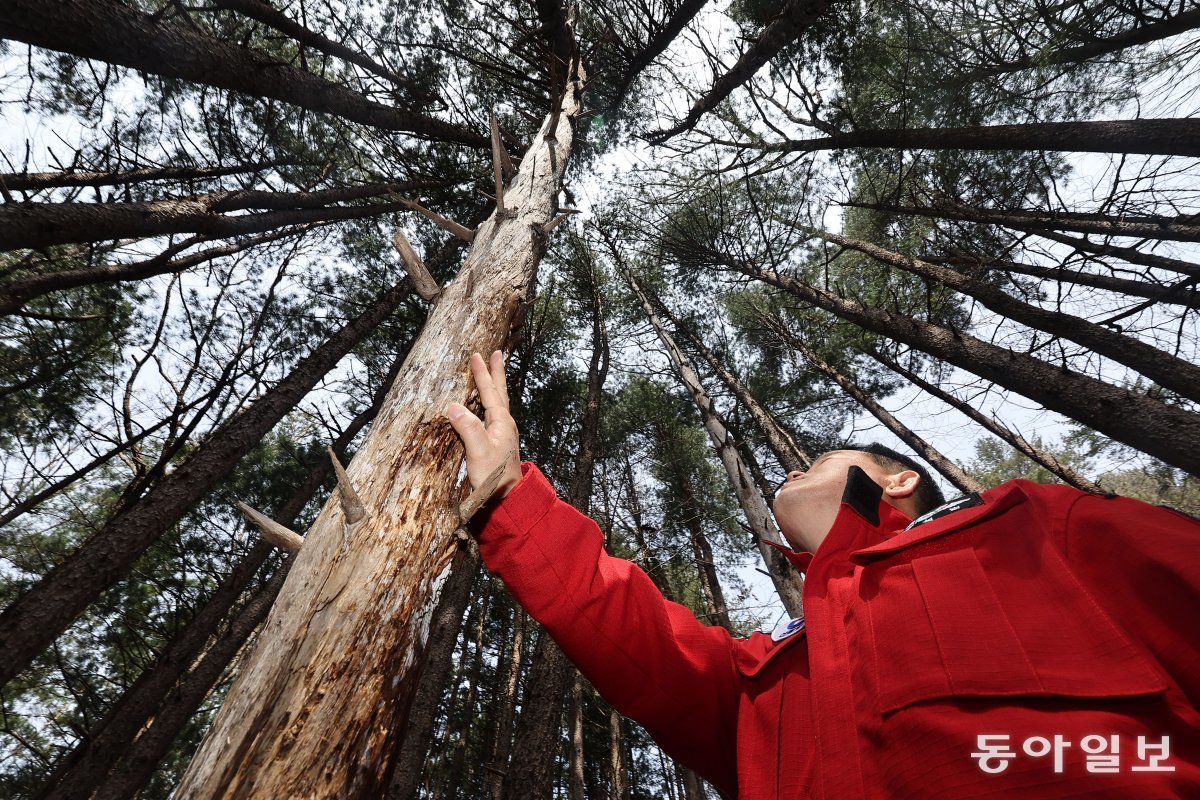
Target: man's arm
<point x="652" y="659"/>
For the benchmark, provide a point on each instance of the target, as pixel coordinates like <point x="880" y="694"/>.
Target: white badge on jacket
<point x="786" y="629"/>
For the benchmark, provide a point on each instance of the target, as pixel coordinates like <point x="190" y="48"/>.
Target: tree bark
<point x="788" y="582"/>
<point x="575" y="777"/>
<point x="618" y="773"/>
<point x="458" y="757"/>
<point x="1011" y="438"/>
<point x="1163" y="368"/>
<point x="1165" y="432"/>
<point x="36" y="618"/>
<point x="1168" y="137"/>
<point x="342" y="644"/>
<point x="108" y="31"/>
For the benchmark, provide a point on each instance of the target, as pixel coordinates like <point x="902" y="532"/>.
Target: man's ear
<point x="901" y="484"/>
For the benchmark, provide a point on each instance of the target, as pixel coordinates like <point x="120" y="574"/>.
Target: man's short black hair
<point x="928" y="496"/>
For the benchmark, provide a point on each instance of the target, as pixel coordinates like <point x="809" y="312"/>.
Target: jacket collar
<point x="864" y="519"/>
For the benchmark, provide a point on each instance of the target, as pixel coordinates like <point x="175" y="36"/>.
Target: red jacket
<point x="1042" y="612"/>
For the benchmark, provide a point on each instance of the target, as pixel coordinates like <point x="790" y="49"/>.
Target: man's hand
<point x="487" y="444"/>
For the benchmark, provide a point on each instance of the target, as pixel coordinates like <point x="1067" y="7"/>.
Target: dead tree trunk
<point x="951" y="471"/>
<point x="618" y="772"/>
<point x="788" y="582"/>
<point x="1165" y="432"/>
<point x="341" y="649"/>
<point x="1012" y="438"/>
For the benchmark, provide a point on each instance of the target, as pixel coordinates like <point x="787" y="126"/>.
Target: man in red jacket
<point x="1031" y="642"/>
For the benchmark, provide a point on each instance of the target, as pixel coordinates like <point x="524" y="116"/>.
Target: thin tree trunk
<point x="41" y="224"/>
<point x="439" y="656"/>
<point x="341" y="646"/>
<point x="458" y="758"/>
<point x="502" y="735"/>
<point x="1011" y="438"/>
<point x="104" y="30"/>
<point x="710" y="584"/>
<point x="69" y="178"/>
<point x="693" y="788"/>
<point x="790" y="455"/>
<point x="618" y="773"/>
<point x="108" y="744"/>
<point x="1154" y="31"/>
<point x="1180" y="293"/>
<point x="31" y="623"/>
<point x="16" y="294"/>
<point x="1165" y="432"/>
<point x="1168" y="137"/>
<point x="653" y="566"/>
<point x="951" y="471"/>
<point x="793" y="19"/>
<point x="1163" y="368"/>
<point x="788" y="582"/>
<point x="1183" y="228"/>
<point x="575" y="777"/>
<point x="1130" y="255"/>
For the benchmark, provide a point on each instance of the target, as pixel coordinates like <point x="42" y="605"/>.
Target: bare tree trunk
<point x="1163" y="368"/>
<point x="38" y="224"/>
<point x="575" y="778"/>
<point x="108" y="31"/>
<point x="618" y="772"/>
<point x="788" y="582"/>
<point x="1168" y="137"/>
<point x="1012" y="438"/>
<point x="693" y="788"/>
<point x="1165" y="432"/>
<point x="710" y="584"/>
<point x="29" y="625"/>
<point x="793" y="19"/>
<point x="458" y="757"/>
<point x="951" y="471"/>
<point x="341" y="648"/>
<point x="502" y="736"/>
<point x="1184" y="228"/>
<point x="791" y="456"/>
<point x="652" y="566"/>
<point x="1180" y="293"/>
<point x="439" y="656"/>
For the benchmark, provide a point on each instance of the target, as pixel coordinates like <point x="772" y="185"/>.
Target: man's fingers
<point x="488" y="396"/>
<point x="469" y="428"/>
<point x="499" y="380"/>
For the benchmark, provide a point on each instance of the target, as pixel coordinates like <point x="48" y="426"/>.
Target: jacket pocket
<point x="975" y="614"/>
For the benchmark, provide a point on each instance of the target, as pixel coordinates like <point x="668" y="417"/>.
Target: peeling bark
<point x="341" y="649"/>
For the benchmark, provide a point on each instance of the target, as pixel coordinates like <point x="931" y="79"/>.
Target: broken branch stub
<point x="282" y="537"/>
<point x="422" y="280"/>
<point x="352" y="506"/>
<point x="466" y="234"/>
<point x="476" y="499"/>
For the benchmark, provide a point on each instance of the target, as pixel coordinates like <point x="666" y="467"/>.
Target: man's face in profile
<point x="806" y="504"/>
